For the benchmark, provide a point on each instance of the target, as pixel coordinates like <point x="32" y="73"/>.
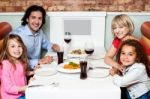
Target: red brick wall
<point x="78" y="5"/>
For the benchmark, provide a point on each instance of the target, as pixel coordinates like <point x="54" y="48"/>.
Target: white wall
<point x="97" y="27"/>
<point x="138" y="18"/>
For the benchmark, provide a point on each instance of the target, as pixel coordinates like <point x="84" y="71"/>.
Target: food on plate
<point x="71" y="65"/>
<point x="77" y="52"/>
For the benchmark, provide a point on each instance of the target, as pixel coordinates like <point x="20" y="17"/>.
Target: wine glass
<point x="89" y="48"/>
<point x="67" y="37"/>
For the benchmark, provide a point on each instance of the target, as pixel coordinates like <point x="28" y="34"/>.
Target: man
<point x="32" y="35"/>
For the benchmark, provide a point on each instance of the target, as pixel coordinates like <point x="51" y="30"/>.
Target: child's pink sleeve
<point x="7" y="82"/>
<point x="0" y="72"/>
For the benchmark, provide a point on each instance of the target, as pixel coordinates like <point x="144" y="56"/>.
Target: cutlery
<point x="55" y="84"/>
<point x="93" y="72"/>
<point x="91" y="68"/>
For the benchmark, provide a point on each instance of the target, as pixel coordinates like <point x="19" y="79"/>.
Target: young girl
<point x="14" y="64"/>
<point x="122" y="28"/>
<point x="136" y="73"/>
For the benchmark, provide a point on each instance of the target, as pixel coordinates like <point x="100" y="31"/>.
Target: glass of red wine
<point x="67" y="37"/>
<point x="89" y="48"/>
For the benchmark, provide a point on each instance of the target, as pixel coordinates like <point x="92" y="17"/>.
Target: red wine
<point x="89" y="51"/>
<point x="67" y="40"/>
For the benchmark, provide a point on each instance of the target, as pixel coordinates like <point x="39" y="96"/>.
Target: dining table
<point x="62" y="84"/>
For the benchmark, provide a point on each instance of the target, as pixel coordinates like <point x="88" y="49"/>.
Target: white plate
<point x="51" y="65"/>
<point x="97" y="56"/>
<point x="98" y="72"/>
<point x="77" y="55"/>
<point x="60" y="68"/>
<point x="45" y="66"/>
<point x="45" y="72"/>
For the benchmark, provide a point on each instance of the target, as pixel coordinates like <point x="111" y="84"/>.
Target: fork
<point x="55" y="84"/>
<point x="91" y="68"/>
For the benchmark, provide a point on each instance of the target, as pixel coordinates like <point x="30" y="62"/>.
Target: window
<point x="78" y="27"/>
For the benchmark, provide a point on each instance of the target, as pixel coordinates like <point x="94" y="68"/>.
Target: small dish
<point x="45" y="72"/>
<point x="45" y="65"/>
<point x="51" y="65"/>
<point x="98" y="72"/>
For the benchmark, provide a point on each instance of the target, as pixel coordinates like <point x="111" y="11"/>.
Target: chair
<point x="5" y="28"/>
<point x="145" y="37"/>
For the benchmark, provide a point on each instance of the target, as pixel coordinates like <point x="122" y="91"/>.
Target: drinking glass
<point x="83" y="67"/>
<point x="60" y="55"/>
<point x="89" y="48"/>
<point x="67" y="37"/>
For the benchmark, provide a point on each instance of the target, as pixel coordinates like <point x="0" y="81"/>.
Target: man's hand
<point x="55" y="48"/>
<point x="45" y="60"/>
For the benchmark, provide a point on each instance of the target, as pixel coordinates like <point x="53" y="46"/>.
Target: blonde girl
<point x="122" y="29"/>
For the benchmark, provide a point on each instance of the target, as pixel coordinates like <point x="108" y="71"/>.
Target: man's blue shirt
<point x="34" y="43"/>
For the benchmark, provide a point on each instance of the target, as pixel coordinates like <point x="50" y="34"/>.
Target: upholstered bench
<point x="145" y="37"/>
<point x="5" y="28"/>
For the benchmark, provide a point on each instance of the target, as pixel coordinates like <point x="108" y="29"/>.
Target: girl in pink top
<point x="122" y="28"/>
<point x="14" y="64"/>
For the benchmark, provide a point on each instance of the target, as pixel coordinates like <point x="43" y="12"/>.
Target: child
<point x="14" y="64"/>
<point x="136" y="73"/>
<point x="122" y="28"/>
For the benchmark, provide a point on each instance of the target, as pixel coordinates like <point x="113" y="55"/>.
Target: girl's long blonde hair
<point x="5" y="55"/>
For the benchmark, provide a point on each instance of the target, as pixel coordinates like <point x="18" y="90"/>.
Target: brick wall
<point x="78" y="5"/>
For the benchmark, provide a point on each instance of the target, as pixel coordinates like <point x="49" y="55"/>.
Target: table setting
<point x="53" y="81"/>
<point x="78" y="73"/>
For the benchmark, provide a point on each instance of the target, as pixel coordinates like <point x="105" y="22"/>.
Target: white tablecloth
<point x="72" y="87"/>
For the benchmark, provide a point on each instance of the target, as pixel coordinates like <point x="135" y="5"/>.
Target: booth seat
<point x="5" y="28"/>
<point x="145" y="36"/>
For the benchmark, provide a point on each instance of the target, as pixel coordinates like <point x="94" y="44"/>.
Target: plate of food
<point x="77" y="53"/>
<point x="69" y="67"/>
